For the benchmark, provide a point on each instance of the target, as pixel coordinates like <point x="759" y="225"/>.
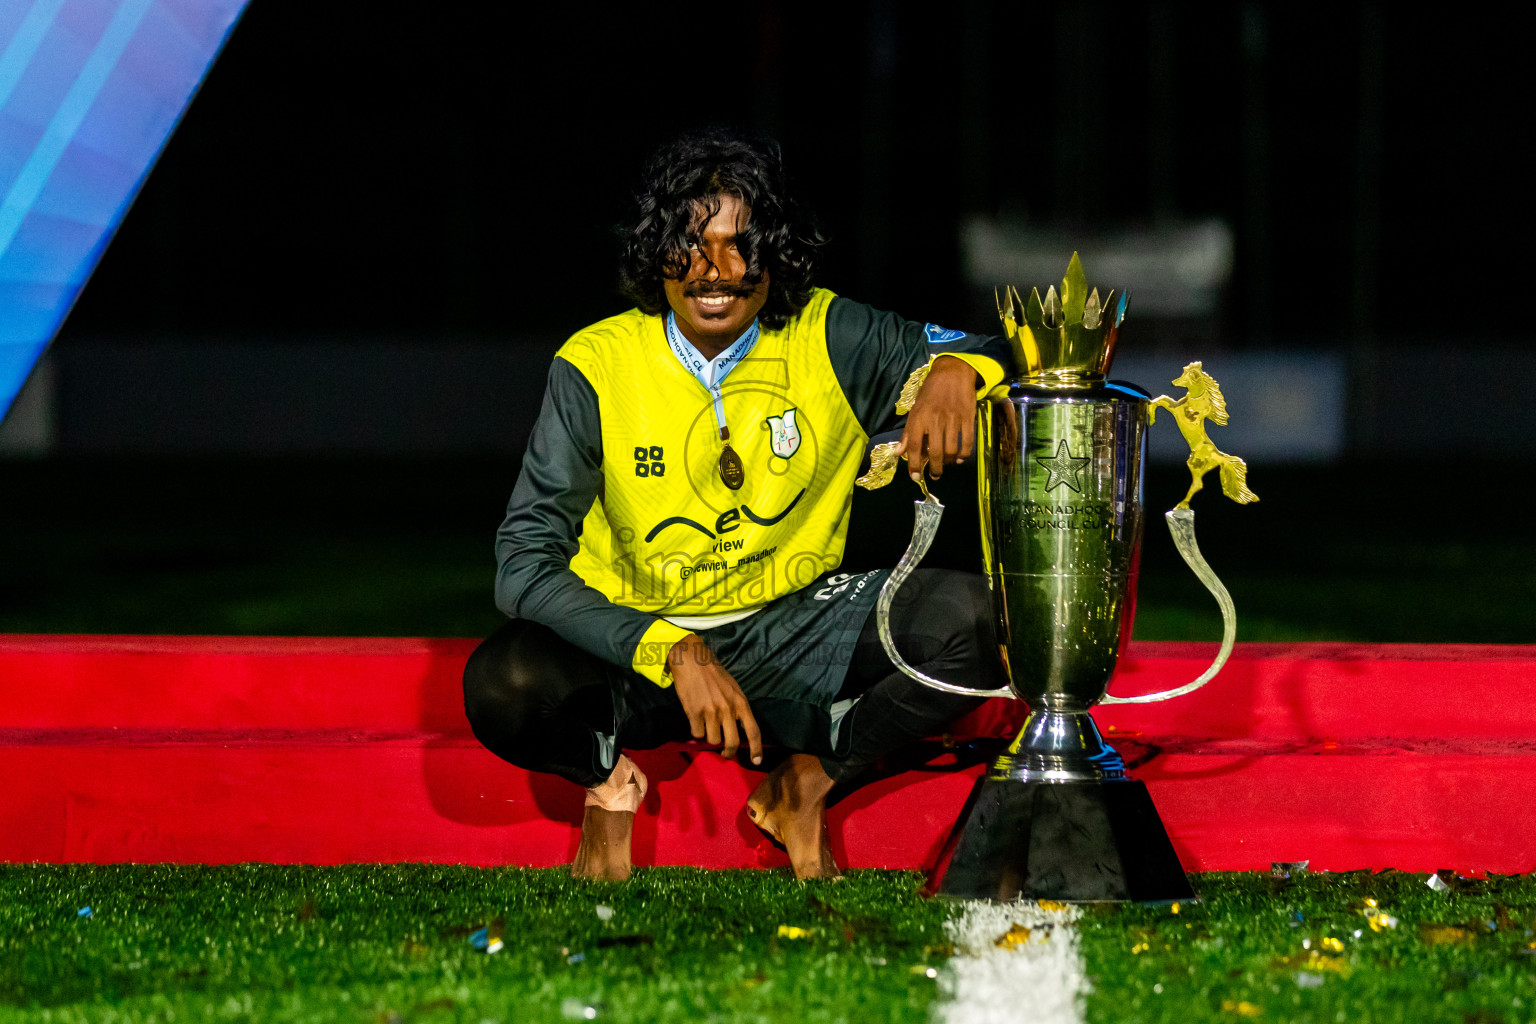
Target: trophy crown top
<point x="1068" y="338"/>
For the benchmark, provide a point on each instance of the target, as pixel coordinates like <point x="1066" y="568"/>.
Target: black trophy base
<point x="1067" y="841"/>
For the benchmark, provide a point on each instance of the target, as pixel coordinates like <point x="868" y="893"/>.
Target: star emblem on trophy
<point x="1063" y="469"/>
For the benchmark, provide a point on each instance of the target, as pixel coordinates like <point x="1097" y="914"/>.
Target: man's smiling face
<point x="714" y="301"/>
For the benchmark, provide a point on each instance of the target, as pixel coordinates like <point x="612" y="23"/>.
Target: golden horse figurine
<point x="1203" y="400"/>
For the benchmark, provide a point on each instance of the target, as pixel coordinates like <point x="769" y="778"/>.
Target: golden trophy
<point x="1062" y="452"/>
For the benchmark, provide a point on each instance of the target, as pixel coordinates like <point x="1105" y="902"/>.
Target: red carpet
<point x="198" y="749"/>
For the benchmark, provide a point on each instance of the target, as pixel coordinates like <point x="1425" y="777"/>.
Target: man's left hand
<point x="941" y="428"/>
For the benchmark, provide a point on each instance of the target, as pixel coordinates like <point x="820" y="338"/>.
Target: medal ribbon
<point x="710" y="373"/>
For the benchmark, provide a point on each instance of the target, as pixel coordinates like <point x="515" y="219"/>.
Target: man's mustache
<point x="711" y="289"/>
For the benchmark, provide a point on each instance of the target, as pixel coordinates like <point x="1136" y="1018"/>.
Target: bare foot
<point x="604" y="849"/>
<point x="609" y="824"/>
<point x="790" y="805"/>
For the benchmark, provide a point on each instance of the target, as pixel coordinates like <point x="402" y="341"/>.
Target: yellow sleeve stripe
<point x="650" y="658"/>
<point x="990" y="369"/>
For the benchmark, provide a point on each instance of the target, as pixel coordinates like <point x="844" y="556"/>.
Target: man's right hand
<point x="711" y="699"/>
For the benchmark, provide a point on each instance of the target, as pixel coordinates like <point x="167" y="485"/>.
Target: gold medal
<point x="732" y="472"/>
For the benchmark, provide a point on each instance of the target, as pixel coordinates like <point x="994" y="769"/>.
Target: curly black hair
<point x="693" y="172"/>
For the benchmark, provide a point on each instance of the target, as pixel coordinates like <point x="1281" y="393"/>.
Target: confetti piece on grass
<point x="85" y="912"/>
<point x="1445" y="935"/>
<point x="1318" y="962"/>
<point x="1242" y="1008"/>
<point x="1437" y="884"/>
<point x="604" y="913"/>
<point x="789" y="931"/>
<point x="1014" y="937"/>
<point x="488" y="939"/>
<point x="484" y="942"/>
<point x="1315" y="961"/>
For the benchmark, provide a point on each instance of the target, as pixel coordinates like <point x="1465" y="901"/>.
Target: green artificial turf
<point x="393" y="943"/>
<point x="1257" y="948"/>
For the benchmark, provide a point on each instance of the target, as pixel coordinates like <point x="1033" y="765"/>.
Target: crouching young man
<point x="668" y="559"/>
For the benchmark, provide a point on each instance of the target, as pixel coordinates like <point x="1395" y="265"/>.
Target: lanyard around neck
<point x="711" y="373"/>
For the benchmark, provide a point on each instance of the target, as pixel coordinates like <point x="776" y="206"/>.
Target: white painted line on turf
<point x="1037" y="981"/>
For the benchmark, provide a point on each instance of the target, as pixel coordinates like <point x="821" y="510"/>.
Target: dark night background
<point x="410" y="207"/>
<point x="396" y="168"/>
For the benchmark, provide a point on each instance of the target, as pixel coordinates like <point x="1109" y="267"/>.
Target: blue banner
<point x="90" y="90"/>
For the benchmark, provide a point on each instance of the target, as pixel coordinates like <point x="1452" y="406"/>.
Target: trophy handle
<point x="925" y="524"/>
<point x="1181" y="523"/>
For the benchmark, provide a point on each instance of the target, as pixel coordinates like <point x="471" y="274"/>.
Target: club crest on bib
<point x="783" y="434"/>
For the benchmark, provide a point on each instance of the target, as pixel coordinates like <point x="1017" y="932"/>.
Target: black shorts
<point x="789" y="659"/>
